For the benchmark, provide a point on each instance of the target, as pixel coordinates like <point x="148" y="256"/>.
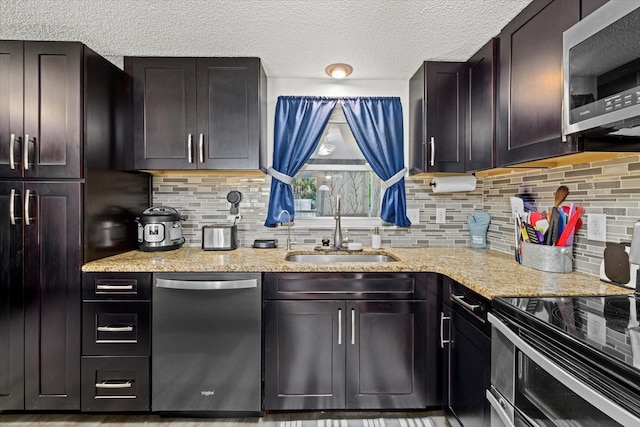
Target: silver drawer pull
<point x="201" y="148"/>
<point x="114" y="287"/>
<point x="12" y="207"/>
<point x="115" y="328"/>
<point x="432" y="142"/>
<point x="460" y="300"/>
<point x="207" y="285"/>
<point x="353" y="326"/>
<point x="442" y="340"/>
<point x="339" y="326"/>
<point x="12" y="143"/>
<point x="105" y="384"/>
<point x="190" y="148"/>
<point x="25" y="152"/>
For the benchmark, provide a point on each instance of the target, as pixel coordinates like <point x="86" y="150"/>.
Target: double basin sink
<point x="339" y="257"/>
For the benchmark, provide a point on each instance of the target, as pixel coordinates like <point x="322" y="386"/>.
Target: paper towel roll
<point x="452" y="184"/>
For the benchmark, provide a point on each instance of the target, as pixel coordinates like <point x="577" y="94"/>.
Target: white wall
<point x="334" y="88"/>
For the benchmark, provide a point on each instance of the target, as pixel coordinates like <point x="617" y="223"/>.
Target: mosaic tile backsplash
<point x="610" y="187"/>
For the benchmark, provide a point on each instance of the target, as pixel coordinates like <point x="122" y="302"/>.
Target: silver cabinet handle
<point x="126" y="384"/>
<point x="442" y="319"/>
<point x="201" y="147"/>
<point x="12" y="207"/>
<point x="339" y="326"/>
<point x="25" y="152"/>
<point x="190" y="148"/>
<point x="199" y="285"/>
<point x="115" y="328"/>
<point x="114" y="287"/>
<point x="353" y="326"/>
<point x="12" y="143"/>
<point x="432" y="142"/>
<point x="27" y="197"/>
<point x="460" y="300"/>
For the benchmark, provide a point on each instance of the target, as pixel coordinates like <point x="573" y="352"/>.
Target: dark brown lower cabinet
<point x="366" y="350"/>
<point x="466" y="345"/>
<point x="40" y="295"/>
<point x="116" y="315"/>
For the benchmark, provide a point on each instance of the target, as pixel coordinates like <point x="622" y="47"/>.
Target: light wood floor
<point x="148" y="420"/>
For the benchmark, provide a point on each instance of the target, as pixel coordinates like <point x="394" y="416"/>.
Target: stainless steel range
<point x="566" y="361"/>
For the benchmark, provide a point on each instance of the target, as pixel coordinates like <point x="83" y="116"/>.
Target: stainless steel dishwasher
<point x="206" y="343"/>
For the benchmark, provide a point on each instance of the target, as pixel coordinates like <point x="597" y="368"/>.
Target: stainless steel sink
<point x="339" y="257"/>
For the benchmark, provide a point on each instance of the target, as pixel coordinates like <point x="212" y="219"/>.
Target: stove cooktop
<point x="610" y="324"/>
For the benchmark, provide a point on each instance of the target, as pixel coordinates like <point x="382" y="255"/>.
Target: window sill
<point x="346" y="222"/>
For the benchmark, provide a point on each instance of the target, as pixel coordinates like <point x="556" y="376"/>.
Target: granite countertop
<point x="490" y="273"/>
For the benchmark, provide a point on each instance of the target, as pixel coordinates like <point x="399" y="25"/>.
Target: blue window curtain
<point x="299" y="123"/>
<point x="376" y="124"/>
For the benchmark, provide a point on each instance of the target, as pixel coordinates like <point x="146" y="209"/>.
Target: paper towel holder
<point x="433" y="184"/>
<point x="460" y="183"/>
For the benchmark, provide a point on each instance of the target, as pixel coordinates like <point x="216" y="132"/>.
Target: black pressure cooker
<point x="160" y="229"/>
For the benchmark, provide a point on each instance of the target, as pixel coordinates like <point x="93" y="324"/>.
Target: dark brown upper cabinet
<point x="41" y="109"/>
<point x="482" y="71"/>
<point x="530" y="83"/>
<point x="437" y="99"/>
<point x="198" y="113"/>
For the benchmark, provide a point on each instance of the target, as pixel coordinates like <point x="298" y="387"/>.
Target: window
<point x="337" y="167"/>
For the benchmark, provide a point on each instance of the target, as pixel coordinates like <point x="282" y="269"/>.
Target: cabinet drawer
<point x="120" y="286"/>
<point x="115" y="384"/>
<point x="115" y="328"/>
<point x="345" y="286"/>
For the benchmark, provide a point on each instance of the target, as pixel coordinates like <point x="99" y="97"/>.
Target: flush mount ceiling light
<point x="338" y="71"/>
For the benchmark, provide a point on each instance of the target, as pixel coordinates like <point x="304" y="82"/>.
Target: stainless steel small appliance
<point x="219" y="237"/>
<point x="160" y="229"/>
<point x="602" y="73"/>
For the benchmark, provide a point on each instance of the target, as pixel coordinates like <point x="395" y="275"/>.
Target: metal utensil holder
<point x="554" y="259"/>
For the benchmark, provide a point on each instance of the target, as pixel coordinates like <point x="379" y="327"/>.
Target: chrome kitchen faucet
<point x="289" y="242"/>
<point x="337" y="233"/>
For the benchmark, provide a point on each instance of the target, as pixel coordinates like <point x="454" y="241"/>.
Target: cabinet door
<point x="446" y="100"/>
<point x="53" y="109"/>
<point x="480" y="132"/>
<point x="228" y="113"/>
<point x="469" y="373"/>
<point x="11" y="298"/>
<point x="52" y="261"/>
<point x="11" y="101"/>
<point x="437" y="93"/>
<point x="304" y="355"/>
<point x="530" y="92"/>
<point x="386" y="354"/>
<point x="164" y="112"/>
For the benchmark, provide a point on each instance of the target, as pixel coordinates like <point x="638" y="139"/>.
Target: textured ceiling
<point x="381" y="39"/>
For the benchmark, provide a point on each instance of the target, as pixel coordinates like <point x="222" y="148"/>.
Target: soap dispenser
<point x="376" y="239"/>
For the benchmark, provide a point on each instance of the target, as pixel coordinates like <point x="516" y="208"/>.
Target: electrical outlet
<point x="441" y="215"/>
<point x="597" y="227"/>
<point x="596" y="328"/>
<point x="234" y="218"/>
<point x="414" y="216"/>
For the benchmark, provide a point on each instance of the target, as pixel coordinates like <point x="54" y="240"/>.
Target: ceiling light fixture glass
<point x="338" y="71"/>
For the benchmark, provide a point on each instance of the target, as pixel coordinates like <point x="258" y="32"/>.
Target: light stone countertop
<point x="490" y="273"/>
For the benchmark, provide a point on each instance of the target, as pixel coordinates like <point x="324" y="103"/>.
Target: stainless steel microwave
<point x="602" y="72"/>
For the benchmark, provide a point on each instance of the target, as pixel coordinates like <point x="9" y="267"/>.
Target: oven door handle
<point x="499" y="408"/>
<point x="599" y="401"/>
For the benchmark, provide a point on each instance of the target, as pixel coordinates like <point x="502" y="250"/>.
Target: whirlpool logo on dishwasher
<point x="207" y="393"/>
